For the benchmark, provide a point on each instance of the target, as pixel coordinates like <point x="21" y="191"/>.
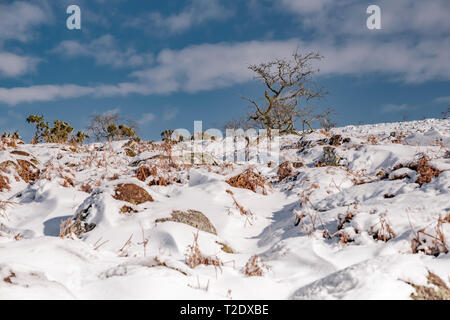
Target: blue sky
<point x="165" y="64"/>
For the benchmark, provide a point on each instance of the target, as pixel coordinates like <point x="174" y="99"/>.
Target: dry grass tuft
<point x="86" y="188"/>
<point x="382" y="231"/>
<point x="249" y="180"/>
<point x="254" y="267"/>
<point x="431" y="244"/>
<point x="437" y="289"/>
<point x="347" y="217"/>
<point x="194" y="257"/>
<point x="66" y="228"/>
<point x="241" y="209"/>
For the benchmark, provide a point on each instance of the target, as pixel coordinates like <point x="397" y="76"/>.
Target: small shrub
<point x="79" y="137"/>
<point x="59" y="133"/>
<point x="107" y="127"/>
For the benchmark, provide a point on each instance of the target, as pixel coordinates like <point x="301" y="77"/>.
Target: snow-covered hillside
<point x="361" y="212"/>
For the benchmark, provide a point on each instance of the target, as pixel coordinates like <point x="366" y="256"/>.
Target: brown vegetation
<point x="194" y="257"/>
<point x="423" y="168"/>
<point x="254" y="267"/>
<point x="249" y="180"/>
<point x="437" y="289"/>
<point x="431" y="244"/>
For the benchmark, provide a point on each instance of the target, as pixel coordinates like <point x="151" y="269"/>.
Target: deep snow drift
<point x="371" y="204"/>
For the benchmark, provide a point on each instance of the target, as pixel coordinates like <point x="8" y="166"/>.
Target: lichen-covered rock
<point x="193" y="218"/>
<point x="329" y="158"/>
<point x="131" y="193"/>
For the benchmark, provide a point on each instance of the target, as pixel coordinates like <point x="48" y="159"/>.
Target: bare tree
<point x="289" y="85"/>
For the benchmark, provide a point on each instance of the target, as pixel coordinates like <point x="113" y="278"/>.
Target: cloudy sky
<point x="165" y="64"/>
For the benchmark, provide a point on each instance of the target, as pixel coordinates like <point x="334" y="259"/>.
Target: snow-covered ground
<point x="377" y="219"/>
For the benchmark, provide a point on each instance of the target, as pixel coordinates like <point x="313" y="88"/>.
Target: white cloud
<point x="146" y="118"/>
<point x="348" y="17"/>
<point x="442" y="100"/>
<point x="196" y="13"/>
<point x="18" y="18"/>
<point x="105" y="51"/>
<point x="12" y="65"/>
<point x="212" y="66"/>
<point x="17" y="95"/>
<point x="170" y="114"/>
<point x="305" y="6"/>
<point x="389" y="108"/>
<point x="209" y="66"/>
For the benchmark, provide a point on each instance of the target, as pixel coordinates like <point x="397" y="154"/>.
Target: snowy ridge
<point x="357" y="234"/>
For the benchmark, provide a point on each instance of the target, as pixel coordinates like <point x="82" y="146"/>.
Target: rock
<point x="329" y="158"/>
<point x="20" y="153"/>
<point x="193" y="218"/>
<point x="335" y="140"/>
<point x="78" y="225"/>
<point x="132" y="193"/>
<point x="132" y="144"/>
<point x="127" y="209"/>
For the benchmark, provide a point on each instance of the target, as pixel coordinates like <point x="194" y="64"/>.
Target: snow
<point x="130" y="256"/>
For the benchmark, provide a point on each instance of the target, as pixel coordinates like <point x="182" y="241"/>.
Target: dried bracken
<point x="241" y="209"/>
<point x="428" y="243"/>
<point x="347" y="217"/>
<point x="4" y="183"/>
<point x="194" y="257"/>
<point x="254" y="267"/>
<point x="127" y="209"/>
<point x="144" y="172"/>
<point x="382" y="230"/>
<point x="285" y="170"/>
<point x="425" y="171"/>
<point x="437" y="289"/>
<point x="249" y="180"/>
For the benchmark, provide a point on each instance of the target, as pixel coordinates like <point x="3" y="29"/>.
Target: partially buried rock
<point x="335" y="140"/>
<point x="193" y="218"/>
<point x="329" y="158"/>
<point x="132" y="193"/>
